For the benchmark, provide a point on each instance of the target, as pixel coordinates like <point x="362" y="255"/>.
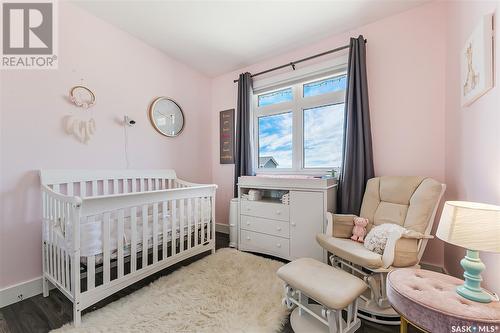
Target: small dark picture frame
<point x="226" y="136"/>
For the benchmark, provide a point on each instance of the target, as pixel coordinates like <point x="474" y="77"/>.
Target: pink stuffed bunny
<point x="359" y="229"/>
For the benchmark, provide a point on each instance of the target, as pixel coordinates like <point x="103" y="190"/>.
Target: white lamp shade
<point x="474" y="226"/>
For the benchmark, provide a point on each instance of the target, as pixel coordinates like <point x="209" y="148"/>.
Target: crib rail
<point x="90" y="183"/>
<point x="145" y="225"/>
<point x="96" y="205"/>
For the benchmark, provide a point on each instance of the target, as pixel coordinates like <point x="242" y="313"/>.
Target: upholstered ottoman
<point x="428" y="300"/>
<point x="334" y="289"/>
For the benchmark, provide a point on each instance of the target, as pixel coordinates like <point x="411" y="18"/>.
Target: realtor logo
<point x="28" y="35"/>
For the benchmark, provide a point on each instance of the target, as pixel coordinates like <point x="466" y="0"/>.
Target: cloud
<point x="323" y="137"/>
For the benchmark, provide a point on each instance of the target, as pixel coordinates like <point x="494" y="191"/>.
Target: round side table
<point x="428" y="301"/>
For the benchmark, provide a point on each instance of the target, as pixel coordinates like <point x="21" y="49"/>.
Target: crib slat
<point x="66" y="255"/>
<point x="51" y="234"/>
<point x="61" y="266"/>
<point x="189" y="221"/>
<point x="203" y="203"/>
<point x="125" y="185"/>
<point x="134" y="185"/>
<point x="174" y="226"/>
<point x="210" y="214"/>
<point x="56" y="240"/>
<point x="66" y="269"/>
<point x="144" y="236"/>
<point x="94" y="188"/>
<point x="119" y="238"/>
<point x="170" y="183"/>
<point x="149" y="184"/>
<point x="133" y="240"/>
<point x="57" y="263"/>
<point x="157" y="187"/>
<point x="155" y="233"/>
<point x="69" y="189"/>
<point x="61" y="243"/>
<point x="106" y="247"/>
<point x="181" y="225"/>
<point x="115" y="186"/>
<point x="56" y="188"/>
<point x="83" y="189"/>
<point x="196" y="218"/>
<point x="90" y="272"/>
<point x="105" y="187"/>
<point x="165" y="229"/>
<point x="207" y="217"/>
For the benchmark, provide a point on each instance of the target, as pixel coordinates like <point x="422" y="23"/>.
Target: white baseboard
<point x="223" y="228"/>
<point x="20" y="291"/>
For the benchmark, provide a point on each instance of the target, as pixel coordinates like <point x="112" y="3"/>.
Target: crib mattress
<point x="98" y="258"/>
<point x="91" y="233"/>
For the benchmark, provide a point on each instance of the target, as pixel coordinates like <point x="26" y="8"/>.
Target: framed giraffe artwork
<point x="477" y="62"/>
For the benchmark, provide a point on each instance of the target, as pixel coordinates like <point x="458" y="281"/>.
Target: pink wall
<point x="406" y="90"/>
<point x="126" y="75"/>
<point x="413" y="73"/>
<point x="472" y="133"/>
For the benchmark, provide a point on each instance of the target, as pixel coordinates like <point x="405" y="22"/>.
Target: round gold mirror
<point x="166" y="116"/>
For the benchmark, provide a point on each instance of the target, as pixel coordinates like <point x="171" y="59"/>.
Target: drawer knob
<point x="278" y="245"/>
<point x="293" y="224"/>
<point x="248" y="223"/>
<point x="249" y="209"/>
<point x="278" y="212"/>
<point x="278" y="228"/>
<point x="248" y="237"/>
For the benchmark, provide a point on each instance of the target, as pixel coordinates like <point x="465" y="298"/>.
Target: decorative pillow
<point x="377" y="237"/>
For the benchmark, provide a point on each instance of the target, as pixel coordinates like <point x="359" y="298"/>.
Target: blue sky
<point x="323" y="128"/>
<point x="275" y="138"/>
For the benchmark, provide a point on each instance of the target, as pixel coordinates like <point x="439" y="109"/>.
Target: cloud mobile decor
<point x="80" y="125"/>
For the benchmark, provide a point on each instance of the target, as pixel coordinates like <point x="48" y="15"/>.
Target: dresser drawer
<point x="267" y="210"/>
<point x="264" y="243"/>
<point x="265" y="226"/>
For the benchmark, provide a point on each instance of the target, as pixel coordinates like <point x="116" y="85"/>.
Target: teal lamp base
<point x="471" y="289"/>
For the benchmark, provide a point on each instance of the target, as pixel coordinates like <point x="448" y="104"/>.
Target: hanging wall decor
<point x="81" y="124"/>
<point x="226" y="126"/>
<point x="477" y="62"/>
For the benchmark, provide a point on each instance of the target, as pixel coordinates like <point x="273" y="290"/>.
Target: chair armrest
<point x="390" y="248"/>
<point x="416" y="235"/>
<point x="340" y="225"/>
<point x="401" y="249"/>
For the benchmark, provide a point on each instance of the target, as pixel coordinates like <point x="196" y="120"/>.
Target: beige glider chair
<point x="411" y="202"/>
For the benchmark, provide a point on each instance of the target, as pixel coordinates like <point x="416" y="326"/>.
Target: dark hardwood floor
<point x="39" y="314"/>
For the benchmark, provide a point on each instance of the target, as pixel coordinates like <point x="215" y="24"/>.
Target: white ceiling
<point x="217" y="37"/>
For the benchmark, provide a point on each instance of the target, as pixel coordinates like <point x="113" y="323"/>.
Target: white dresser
<point x="289" y="230"/>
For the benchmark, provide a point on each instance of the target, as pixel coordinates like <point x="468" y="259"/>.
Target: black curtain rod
<point x="293" y="63"/>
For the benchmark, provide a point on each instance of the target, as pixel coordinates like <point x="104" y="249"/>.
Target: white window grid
<point x="297" y="106"/>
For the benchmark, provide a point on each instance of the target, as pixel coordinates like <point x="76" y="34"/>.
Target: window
<point x="323" y="136"/>
<point x="275" y="141"/>
<point x="275" y="97"/>
<point x="300" y="127"/>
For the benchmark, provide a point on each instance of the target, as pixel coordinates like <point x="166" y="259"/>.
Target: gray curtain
<point x="357" y="166"/>
<point x="243" y="165"/>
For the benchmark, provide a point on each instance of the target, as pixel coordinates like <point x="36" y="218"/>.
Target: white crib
<point x="106" y="229"/>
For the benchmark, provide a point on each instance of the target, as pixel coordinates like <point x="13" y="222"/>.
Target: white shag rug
<point x="230" y="291"/>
